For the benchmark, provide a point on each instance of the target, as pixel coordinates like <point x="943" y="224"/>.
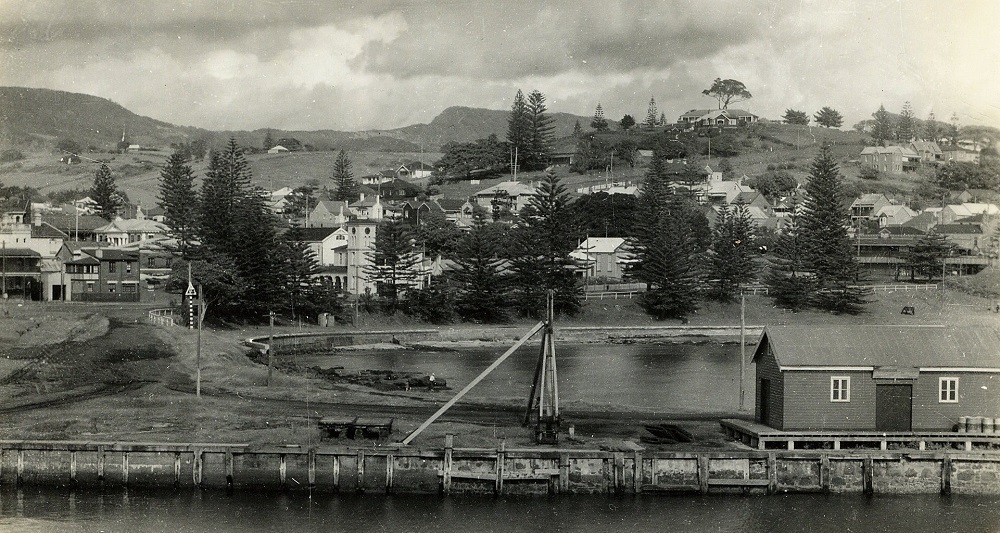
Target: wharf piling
<point x="499" y="470"/>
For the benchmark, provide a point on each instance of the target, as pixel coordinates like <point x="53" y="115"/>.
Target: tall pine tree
<point x="732" y="253"/>
<point x="519" y="129"/>
<point x="482" y="288"/>
<point x="542" y="243"/>
<point x="599" y="123"/>
<point x="539" y="149"/>
<point x="926" y="256"/>
<point x="829" y="254"/>
<point x="179" y="201"/>
<point x="883" y="128"/>
<point x="226" y="184"/>
<point x="394" y="263"/>
<point x="651" y="114"/>
<point x="789" y="283"/>
<point x="346" y="189"/>
<point x="105" y="193"/>
<point x="665" y="251"/>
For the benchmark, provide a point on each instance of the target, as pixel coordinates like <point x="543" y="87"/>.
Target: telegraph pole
<point x="743" y="355"/>
<point x="270" y="350"/>
<point x="201" y="316"/>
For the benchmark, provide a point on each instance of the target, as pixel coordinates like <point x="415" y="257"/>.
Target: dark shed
<point x="883" y="378"/>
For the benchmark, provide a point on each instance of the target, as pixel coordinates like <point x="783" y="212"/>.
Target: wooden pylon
<point x="543" y="402"/>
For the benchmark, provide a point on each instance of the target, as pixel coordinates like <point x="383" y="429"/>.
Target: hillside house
<point x="894" y="215"/>
<point x="368" y="208"/>
<point x="717" y="117"/>
<point x="890" y="158"/>
<point x="94" y="274"/>
<point x="329" y="214"/>
<point x="512" y="195"/>
<point x="959" y="155"/>
<point x="601" y="257"/>
<point x="929" y="151"/>
<point x="875" y="378"/>
<point x="868" y="205"/>
<point x="278" y="149"/>
<point x="121" y="231"/>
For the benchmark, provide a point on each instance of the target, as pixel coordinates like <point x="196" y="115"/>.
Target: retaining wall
<point x="452" y="470"/>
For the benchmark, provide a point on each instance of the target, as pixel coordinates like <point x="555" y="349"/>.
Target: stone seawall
<point x="450" y="470"/>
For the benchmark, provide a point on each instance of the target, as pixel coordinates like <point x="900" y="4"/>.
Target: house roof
<point x="47" y="231"/>
<point x="19" y="252"/>
<point x="451" y="204"/>
<point x="958" y="229"/>
<point x="601" y="245"/>
<point x="896" y="210"/>
<point x="699" y="113"/>
<point x="929" y="146"/>
<point x="748" y="197"/>
<point x="314" y="234"/>
<point x="69" y="222"/>
<point x="511" y="188"/>
<point x="868" y="150"/>
<point x="868" y="199"/>
<point x="879" y="346"/>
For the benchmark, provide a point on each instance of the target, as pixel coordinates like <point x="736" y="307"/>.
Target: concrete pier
<point x="451" y="470"/>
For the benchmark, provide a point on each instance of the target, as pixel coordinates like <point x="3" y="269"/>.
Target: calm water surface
<point x="675" y="378"/>
<point x="45" y="511"/>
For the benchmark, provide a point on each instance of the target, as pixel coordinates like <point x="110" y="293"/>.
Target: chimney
<point x="361" y="197"/>
<point x="36" y="217"/>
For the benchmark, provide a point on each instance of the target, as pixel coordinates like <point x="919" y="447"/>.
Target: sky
<point x="381" y="64"/>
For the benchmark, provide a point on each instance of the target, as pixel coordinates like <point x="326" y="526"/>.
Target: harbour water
<point x="658" y="378"/>
<point x="198" y="511"/>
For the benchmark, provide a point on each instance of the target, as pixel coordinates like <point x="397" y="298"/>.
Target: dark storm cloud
<point x="620" y="37"/>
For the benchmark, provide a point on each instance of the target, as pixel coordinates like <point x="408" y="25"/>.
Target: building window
<point x="150" y="263"/>
<point x="90" y="286"/>
<point x="112" y="266"/>
<point x="128" y="267"/>
<point x="129" y="288"/>
<point x="840" y="389"/>
<point x="948" y="388"/>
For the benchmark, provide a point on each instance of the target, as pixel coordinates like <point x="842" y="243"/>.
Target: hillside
<point x="466" y="124"/>
<point x="36" y="118"/>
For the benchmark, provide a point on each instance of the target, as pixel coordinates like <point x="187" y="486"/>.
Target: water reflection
<point x="52" y="510"/>
<point x="676" y="378"/>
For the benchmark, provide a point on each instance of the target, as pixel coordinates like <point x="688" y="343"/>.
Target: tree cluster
<point x="227" y="234"/>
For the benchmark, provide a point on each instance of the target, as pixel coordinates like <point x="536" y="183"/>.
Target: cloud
<point x="311" y="64"/>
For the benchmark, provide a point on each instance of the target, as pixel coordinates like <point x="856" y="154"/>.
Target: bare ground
<point x="81" y="373"/>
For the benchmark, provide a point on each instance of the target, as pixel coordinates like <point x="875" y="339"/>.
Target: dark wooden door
<point x="765" y="393"/>
<point x="893" y="407"/>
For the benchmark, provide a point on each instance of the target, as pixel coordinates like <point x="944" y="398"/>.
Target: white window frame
<point x="946" y="393"/>
<point x="844" y="395"/>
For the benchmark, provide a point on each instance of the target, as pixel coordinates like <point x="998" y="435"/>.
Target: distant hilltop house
<point x="717" y="117"/>
<point x="278" y="149"/>
<point x="890" y="158"/>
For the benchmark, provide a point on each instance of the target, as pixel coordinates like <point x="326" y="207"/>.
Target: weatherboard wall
<point x="808" y="405"/>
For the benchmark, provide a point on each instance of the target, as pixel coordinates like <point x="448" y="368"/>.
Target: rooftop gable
<point x="819" y="347"/>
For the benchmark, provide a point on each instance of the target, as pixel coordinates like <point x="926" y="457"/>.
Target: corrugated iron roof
<point x="877" y="346"/>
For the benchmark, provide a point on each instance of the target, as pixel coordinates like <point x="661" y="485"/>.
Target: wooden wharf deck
<point x="761" y="437"/>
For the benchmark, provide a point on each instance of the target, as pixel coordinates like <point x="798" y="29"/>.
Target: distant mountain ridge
<point x="38" y="118"/>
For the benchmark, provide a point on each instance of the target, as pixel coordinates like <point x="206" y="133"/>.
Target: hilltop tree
<point x="268" y="140"/>
<point x="69" y="146"/>
<point x="539" y="146"/>
<point x="488" y="157"/>
<point x="932" y="130"/>
<point x="179" y="201"/>
<point x="627" y="122"/>
<point x="577" y="129"/>
<point x="519" y="128"/>
<point x="906" y="127"/>
<point x="732" y="252"/>
<point x="882" y="129"/>
<point x="541" y="246"/>
<point x="727" y="92"/>
<point x="793" y="116"/>
<point x="395" y="264"/>
<point x="663" y="119"/>
<point x="953" y="129"/>
<point x="343" y="179"/>
<point x="829" y="118"/>
<point x="828" y="253"/>
<point x="105" y="193"/>
<point x="651" y="113"/>
<point x="482" y="289"/>
<point x="599" y="123"/>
